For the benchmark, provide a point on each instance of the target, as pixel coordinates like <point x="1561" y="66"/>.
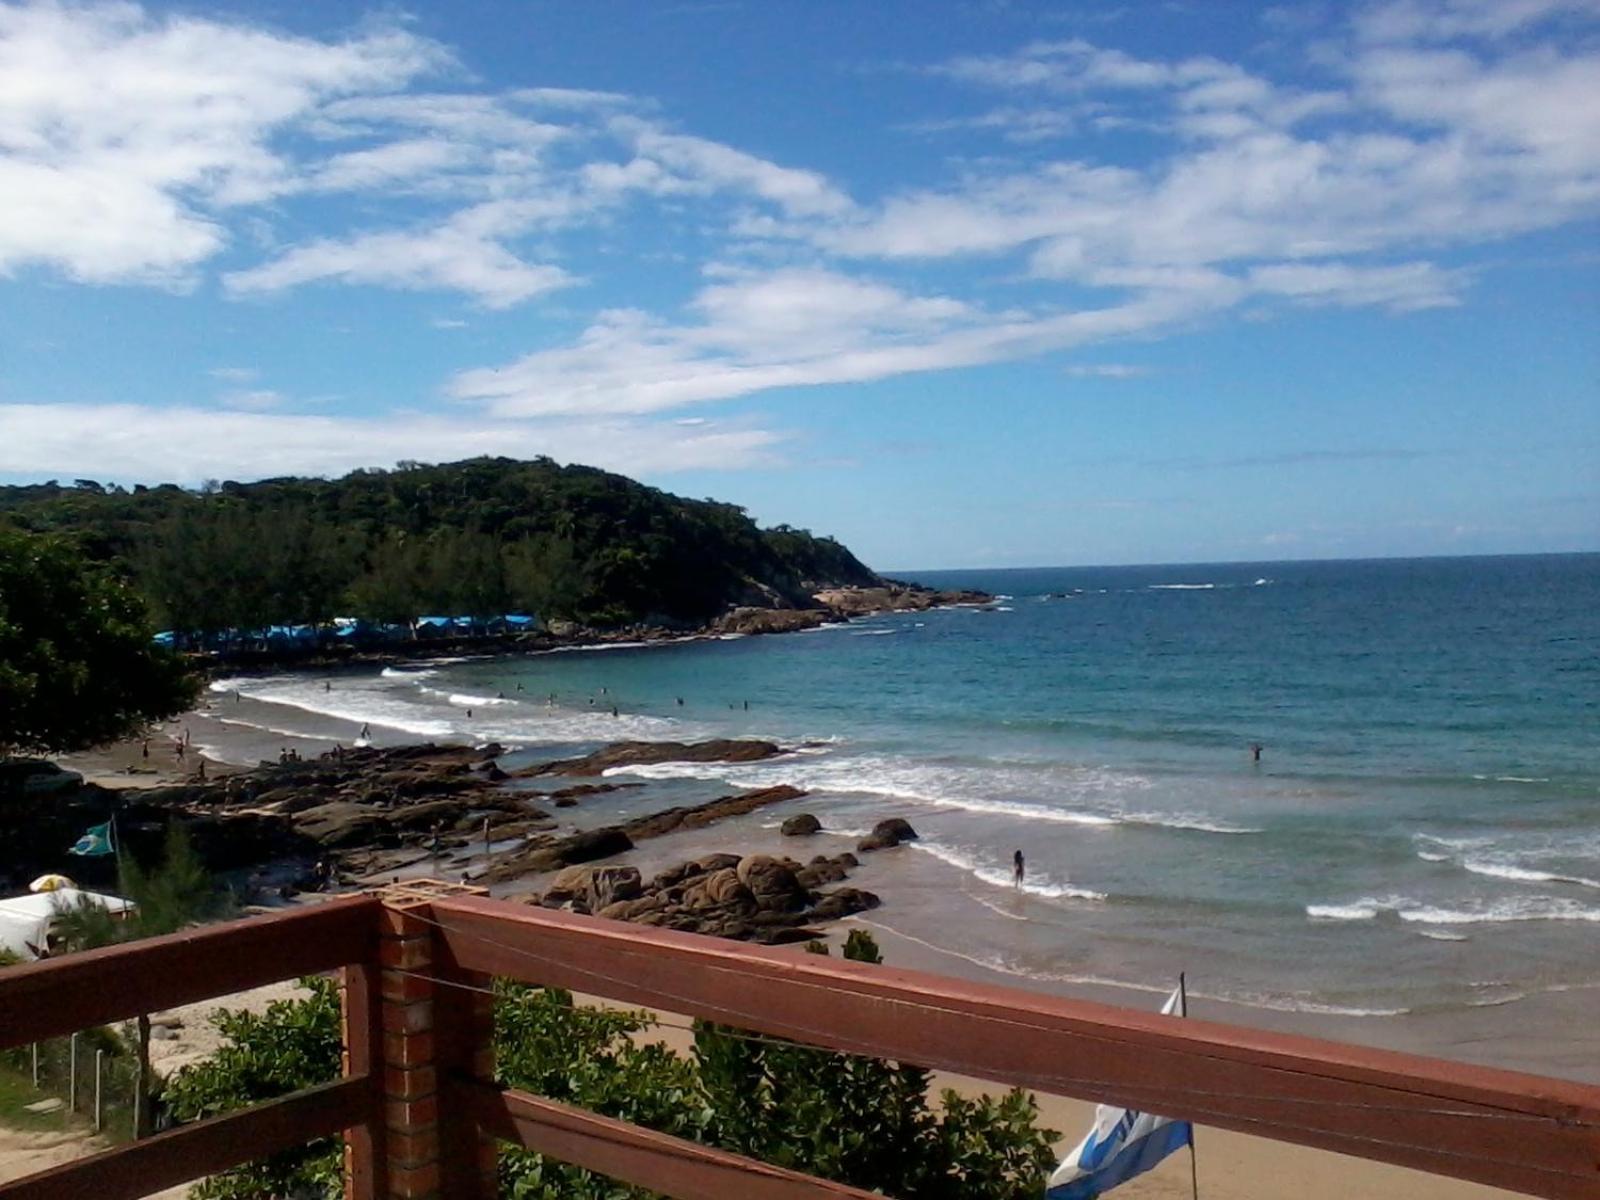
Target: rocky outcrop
<point x="568" y="796"/>
<point x="552" y="852"/>
<point x="887" y="834"/>
<point x="893" y="597"/>
<point x="630" y="754"/>
<point x="801" y="825"/>
<point x="698" y="816"/>
<point x="750" y="620"/>
<point x="755" y="898"/>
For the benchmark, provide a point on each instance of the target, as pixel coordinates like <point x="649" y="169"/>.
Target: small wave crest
<point x="1487" y="912"/>
<point x="999" y="875"/>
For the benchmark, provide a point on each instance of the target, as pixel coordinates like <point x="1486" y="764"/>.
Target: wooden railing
<point x="422" y="1113"/>
<point x="61" y="996"/>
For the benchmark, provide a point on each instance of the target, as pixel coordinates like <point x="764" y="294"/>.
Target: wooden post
<point x="361" y="1010"/>
<point x="99" y="1067"/>
<point x="72" y="1074"/>
<point x="36" y="1066"/>
<point x="141" y="1100"/>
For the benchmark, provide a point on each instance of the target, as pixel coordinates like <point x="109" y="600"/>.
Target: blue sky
<point x="963" y="284"/>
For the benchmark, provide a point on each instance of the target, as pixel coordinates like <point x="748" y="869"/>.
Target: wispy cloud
<point x="1106" y="371"/>
<point x="133" y="443"/>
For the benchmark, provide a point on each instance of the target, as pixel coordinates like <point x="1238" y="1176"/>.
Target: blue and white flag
<point x="97" y="840"/>
<point x="1122" y="1144"/>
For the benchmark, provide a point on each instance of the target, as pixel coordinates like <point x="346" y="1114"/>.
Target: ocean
<point x="1420" y="835"/>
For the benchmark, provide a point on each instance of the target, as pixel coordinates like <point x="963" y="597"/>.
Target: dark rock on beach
<point x="800" y="825"/>
<point x="630" y="754"/>
<point x="755" y="898"/>
<point x="555" y="852"/>
<point x="887" y="834"/>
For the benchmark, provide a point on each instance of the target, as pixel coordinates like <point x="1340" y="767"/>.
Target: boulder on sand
<point x="772" y="882"/>
<point x="886" y="834"/>
<point x="800" y="825"/>
<point x="608" y="885"/>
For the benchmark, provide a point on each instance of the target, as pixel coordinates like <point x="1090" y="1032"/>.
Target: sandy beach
<point x="1229" y="1166"/>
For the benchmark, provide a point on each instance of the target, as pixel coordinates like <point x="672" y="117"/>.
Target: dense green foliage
<point x="479" y="538"/>
<point x="293" y="1045"/>
<point x="858" y="1120"/>
<point x="76" y="664"/>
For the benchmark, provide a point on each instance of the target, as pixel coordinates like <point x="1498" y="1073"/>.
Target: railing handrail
<point x="1519" y="1131"/>
<point x="1523" y="1132"/>
<point x="63" y="995"/>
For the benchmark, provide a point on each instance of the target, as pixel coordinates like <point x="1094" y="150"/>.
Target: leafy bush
<point x="854" y="1119"/>
<point x="294" y="1044"/>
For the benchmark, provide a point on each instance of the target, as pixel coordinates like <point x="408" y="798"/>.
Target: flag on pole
<point x="96" y="841"/>
<point x="1122" y="1144"/>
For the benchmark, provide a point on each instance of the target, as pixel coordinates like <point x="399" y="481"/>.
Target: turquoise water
<point x="1422" y="832"/>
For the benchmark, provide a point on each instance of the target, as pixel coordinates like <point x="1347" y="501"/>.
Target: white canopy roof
<point x="25" y="920"/>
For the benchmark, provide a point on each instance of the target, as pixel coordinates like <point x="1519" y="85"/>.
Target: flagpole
<point x="1194" y="1165"/>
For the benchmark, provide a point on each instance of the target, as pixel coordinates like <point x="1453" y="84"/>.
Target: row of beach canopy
<point x="348" y="630"/>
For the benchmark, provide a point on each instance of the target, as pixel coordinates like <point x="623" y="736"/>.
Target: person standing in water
<point x="1018" y="869"/>
<point x="1255" y="751"/>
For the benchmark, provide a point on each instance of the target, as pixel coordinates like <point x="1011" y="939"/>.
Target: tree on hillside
<point x="77" y="666"/>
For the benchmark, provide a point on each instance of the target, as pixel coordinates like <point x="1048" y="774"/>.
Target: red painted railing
<point x="422" y="1116"/>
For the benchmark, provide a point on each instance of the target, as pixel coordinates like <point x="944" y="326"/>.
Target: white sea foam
<point x="1483" y="912"/>
<point x="872" y="632"/>
<point x="408" y="674"/>
<point x="1443" y="935"/>
<point x="1525" y="874"/>
<point x="1187" y="821"/>
<point x="999" y="874"/>
<point x="1261" y="583"/>
<point x="965" y="789"/>
<point x="1181" y="587"/>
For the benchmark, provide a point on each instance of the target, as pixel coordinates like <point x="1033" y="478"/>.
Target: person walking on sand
<point x="366" y="733"/>
<point x="1018" y="869"/>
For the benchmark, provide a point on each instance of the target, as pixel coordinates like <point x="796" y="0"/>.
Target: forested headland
<point x="479" y="538"/>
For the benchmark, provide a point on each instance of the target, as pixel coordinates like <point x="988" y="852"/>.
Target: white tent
<point x="25" y="920"/>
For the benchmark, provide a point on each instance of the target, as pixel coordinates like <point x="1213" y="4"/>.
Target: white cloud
<point x="123" y="137"/>
<point x="1106" y="371"/>
<point x="445" y="257"/>
<point x="235" y="374"/>
<point x="1404" y="287"/>
<point x="1441" y="20"/>
<point x="253" y="400"/>
<point x="795" y="328"/>
<point x="133" y="443"/>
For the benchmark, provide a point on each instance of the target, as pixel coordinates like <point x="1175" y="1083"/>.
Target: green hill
<point x="480" y="538"/>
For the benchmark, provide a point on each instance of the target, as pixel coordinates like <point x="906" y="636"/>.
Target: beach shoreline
<point x="1547" y="1033"/>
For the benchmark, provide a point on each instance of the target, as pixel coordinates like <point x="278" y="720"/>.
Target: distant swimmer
<point x="1018" y="869"/>
<point x="1255" y="751"/>
<point x="747" y="706"/>
<point x="520" y="688"/>
<point x="327" y="685"/>
<point x="680" y="701"/>
<point x="614" y="710"/>
<point x="469" y="714"/>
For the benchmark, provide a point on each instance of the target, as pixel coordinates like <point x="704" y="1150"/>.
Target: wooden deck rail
<point x="1521" y="1132"/>
<point x="63" y="995"/>
<point x="417" y="1102"/>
